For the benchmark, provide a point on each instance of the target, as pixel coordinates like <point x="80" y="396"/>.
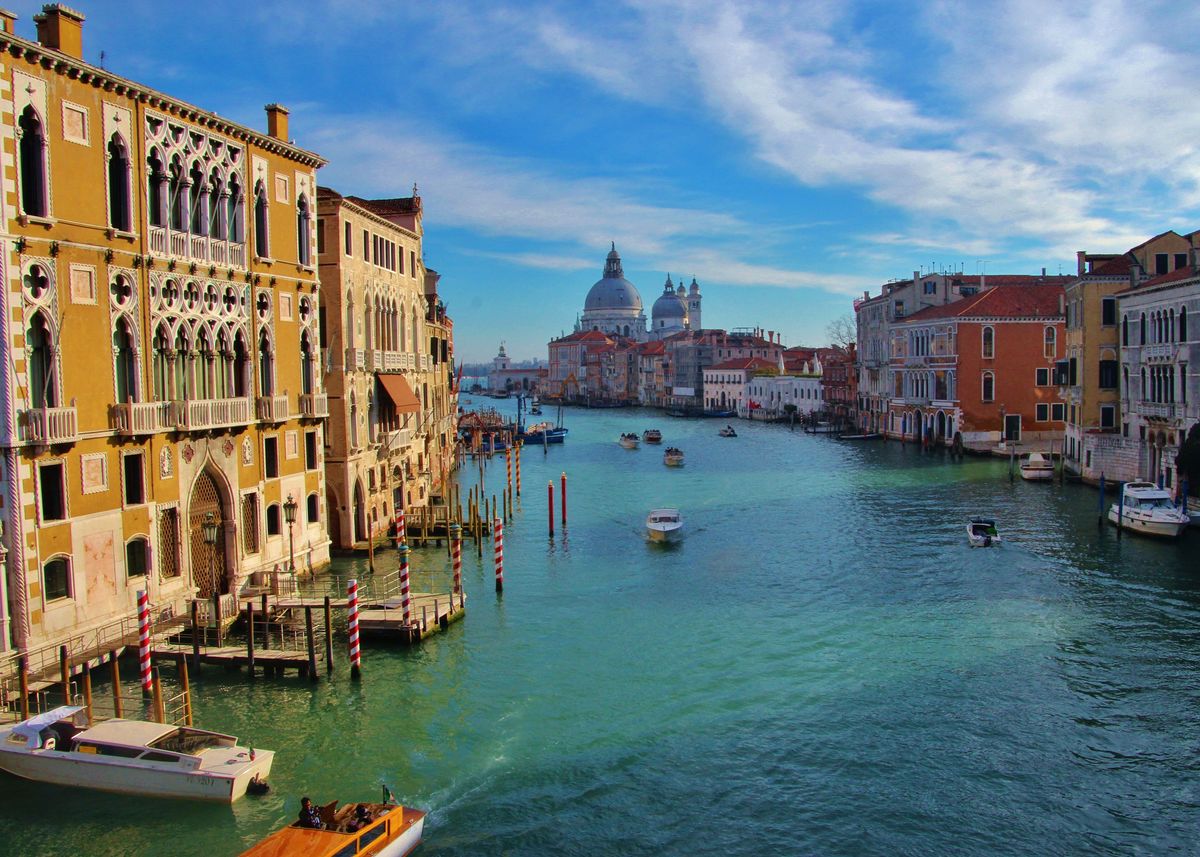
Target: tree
<point x="1188" y="460"/>
<point x="842" y="331"/>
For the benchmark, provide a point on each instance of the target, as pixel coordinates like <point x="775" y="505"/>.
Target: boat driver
<point x="310" y="816"/>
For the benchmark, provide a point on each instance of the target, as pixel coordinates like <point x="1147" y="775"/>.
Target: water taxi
<point x="629" y="440"/>
<point x="1036" y="468"/>
<point x="673" y="457"/>
<point x="1147" y="509"/>
<point x="652" y="436"/>
<point x="727" y="432"/>
<point x="664" y="525"/>
<point x="982" y="533"/>
<point x="131" y="757"/>
<point x="383" y="830"/>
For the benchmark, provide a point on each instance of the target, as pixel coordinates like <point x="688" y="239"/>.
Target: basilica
<point x="613" y="306"/>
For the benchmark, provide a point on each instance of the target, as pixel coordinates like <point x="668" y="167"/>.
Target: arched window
<point x="126" y="365"/>
<point x="183" y="367"/>
<point x="1144" y="392"/>
<point x="989" y="342"/>
<point x="43" y="387"/>
<point x="33" y="164"/>
<point x="307" y="365"/>
<point x="1050" y="346"/>
<point x="1124" y="330"/>
<point x="162" y="364"/>
<point x="157" y="190"/>
<point x="1142" y="331"/>
<point x="266" y="368"/>
<point x="989" y="386"/>
<point x="261" y="242"/>
<point x="368" y="326"/>
<point x="175" y="193"/>
<point x="314" y="509"/>
<point x="204" y="375"/>
<point x="223" y="367"/>
<point x="119" y="213"/>
<point x="274" y="526"/>
<point x="303" y="231"/>
<point x="198" y="220"/>
<point x="137" y="557"/>
<point x="1183" y="332"/>
<point x="56" y="578"/>
<point x="353" y="422"/>
<point x="217" y="208"/>
<point x="1171" y="326"/>
<point x="241" y="363"/>
<point x="235" y="219"/>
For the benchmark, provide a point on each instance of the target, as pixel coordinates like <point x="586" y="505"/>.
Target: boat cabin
<point x="340" y="838"/>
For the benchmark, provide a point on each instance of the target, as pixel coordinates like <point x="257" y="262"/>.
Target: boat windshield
<point x="190" y="741"/>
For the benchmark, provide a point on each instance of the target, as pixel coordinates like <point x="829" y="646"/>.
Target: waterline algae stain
<point x="823" y="666"/>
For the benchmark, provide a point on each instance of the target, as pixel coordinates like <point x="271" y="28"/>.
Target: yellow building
<point x="390" y="346"/>
<point x="1089" y="375"/>
<point x="161" y="314"/>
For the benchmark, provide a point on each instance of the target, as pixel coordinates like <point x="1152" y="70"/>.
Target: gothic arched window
<point x="125" y="365"/>
<point x="261" y="242"/>
<point x="119" y="213"/>
<point x="266" y="368"/>
<point x="157" y="195"/>
<point x="303" y="231"/>
<point x="33" y="164"/>
<point x="43" y="389"/>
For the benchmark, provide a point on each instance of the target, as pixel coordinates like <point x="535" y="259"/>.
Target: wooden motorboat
<point x="652" y="436"/>
<point x="1147" y="509"/>
<point x="1036" y="468"/>
<point x="629" y="440"/>
<point x="727" y="432"/>
<point x="131" y="757"/>
<point x="387" y="830"/>
<point x="664" y="525"/>
<point x="982" y="533"/>
<point x="673" y="457"/>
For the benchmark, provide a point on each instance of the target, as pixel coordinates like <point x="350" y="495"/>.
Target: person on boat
<point x="310" y="816"/>
<point x="362" y="817"/>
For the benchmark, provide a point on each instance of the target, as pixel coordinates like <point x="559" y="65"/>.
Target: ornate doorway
<point x="208" y="561"/>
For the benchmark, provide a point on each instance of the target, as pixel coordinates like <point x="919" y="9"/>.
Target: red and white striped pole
<point x="401" y="532"/>
<point x="519" y="445"/>
<point x="143" y="602"/>
<point x="352" y="622"/>
<point x="499" y="531"/>
<point x="456" y="555"/>
<point x="405" y="602"/>
<point x="508" y="465"/>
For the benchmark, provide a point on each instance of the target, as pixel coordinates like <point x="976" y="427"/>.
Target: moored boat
<point x="1147" y="509"/>
<point x="629" y="440"/>
<point x="131" y="757"/>
<point x="982" y="533"/>
<point x="379" y="829"/>
<point x="673" y="457"/>
<point x="652" y="436"/>
<point x="1036" y="468"/>
<point x="664" y="525"/>
<point x="543" y="433"/>
<point x="727" y="432"/>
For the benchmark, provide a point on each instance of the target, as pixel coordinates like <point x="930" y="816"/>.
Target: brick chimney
<point x="277" y="121"/>
<point x="8" y="21"/>
<point x="60" y="28"/>
<point x="1081" y="261"/>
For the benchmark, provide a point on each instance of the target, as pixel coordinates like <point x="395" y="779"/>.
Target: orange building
<point x="982" y="367"/>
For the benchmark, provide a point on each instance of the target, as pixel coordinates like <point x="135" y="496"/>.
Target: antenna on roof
<point x="101" y="59"/>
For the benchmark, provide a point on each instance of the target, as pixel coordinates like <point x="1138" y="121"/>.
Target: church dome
<point x="613" y="291"/>
<point x="669" y="304"/>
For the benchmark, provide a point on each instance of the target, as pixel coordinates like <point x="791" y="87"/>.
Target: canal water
<point x="822" y="666"/>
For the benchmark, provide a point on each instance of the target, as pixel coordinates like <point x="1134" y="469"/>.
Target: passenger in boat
<point x="362" y="817"/>
<point x="310" y="816"/>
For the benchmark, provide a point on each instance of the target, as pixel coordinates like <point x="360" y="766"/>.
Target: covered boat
<point x="1036" y="467"/>
<point x="673" y="457"/>
<point x="543" y="433"/>
<point x="982" y="533"/>
<point x="1147" y="509"/>
<point x="652" y="436"/>
<point x="377" y="829"/>
<point x="727" y="432"/>
<point x="664" y="525"/>
<point x="131" y="757"/>
<point x="629" y="440"/>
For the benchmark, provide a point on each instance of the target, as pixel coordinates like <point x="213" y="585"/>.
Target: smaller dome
<point x="695" y="287"/>
<point x="669" y="304"/>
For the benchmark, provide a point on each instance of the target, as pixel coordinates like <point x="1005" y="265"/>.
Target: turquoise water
<point x="822" y="667"/>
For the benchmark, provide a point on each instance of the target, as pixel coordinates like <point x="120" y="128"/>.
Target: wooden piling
<point x="196" y="634"/>
<point x="187" y="689"/>
<point x="160" y="710"/>
<point x="64" y="663"/>
<point x="217" y="617"/>
<point x="266" y="620"/>
<point x="250" y="637"/>
<point x="115" y="666"/>
<point x="312" y="648"/>
<point x="87" y="690"/>
<point x="23" y="677"/>
<point x="550" y="505"/>
<point x="328" y="635"/>
<point x="563" y="499"/>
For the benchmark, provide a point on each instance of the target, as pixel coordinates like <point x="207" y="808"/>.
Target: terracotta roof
<point x="385" y="207"/>
<point x="1113" y="268"/>
<point x="999" y="302"/>
<point x="583" y="336"/>
<point x="1185" y="273"/>
<point x="656" y="347"/>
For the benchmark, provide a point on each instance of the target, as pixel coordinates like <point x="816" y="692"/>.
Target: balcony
<point x="141" y="418"/>
<point x="314" y="405"/>
<point x="197" y="248"/>
<point x="394" y="441"/>
<point x="393" y="361"/>
<point x="356" y="358"/>
<point x="376" y="360"/>
<point x="1158" y="410"/>
<point x="272" y="409"/>
<point x="51" y="425"/>
<point x="212" y="413"/>
<point x="1160" y="351"/>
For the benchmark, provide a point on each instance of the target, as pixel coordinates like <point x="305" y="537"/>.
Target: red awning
<point x="401" y="393"/>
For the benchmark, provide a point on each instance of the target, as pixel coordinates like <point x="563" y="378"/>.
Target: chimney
<point x="1043" y="272"/>
<point x="60" y="28"/>
<point x="1081" y="261"/>
<point x="1196" y="258"/>
<point x="8" y="22"/>
<point x="1062" y="304"/>
<point x="277" y="121"/>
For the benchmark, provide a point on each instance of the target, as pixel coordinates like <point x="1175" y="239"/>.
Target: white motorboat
<point x="664" y="525"/>
<point x="673" y="457"/>
<point x="131" y="757"/>
<point x="1148" y="509"/>
<point x="629" y="440"/>
<point x="1036" y="467"/>
<point x="378" y="829"/>
<point x="652" y="436"/>
<point x="727" y="432"/>
<point x="982" y="533"/>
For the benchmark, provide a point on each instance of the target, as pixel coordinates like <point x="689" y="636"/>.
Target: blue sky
<point x="787" y="155"/>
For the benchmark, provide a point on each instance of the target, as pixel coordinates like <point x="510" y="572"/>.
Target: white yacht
<point x="664" y="525"/>
<point x="1037" y="468"/>
<point x="1149" y="510"/>
<point x="131" y="757"/>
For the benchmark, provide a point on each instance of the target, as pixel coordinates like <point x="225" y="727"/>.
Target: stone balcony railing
<point x="392" y="361"/>
<point x="202" y="414"/>
<point x="272" y="409"/>
<point x="1159" y="351"/>
<point x="1158" y="410"/>
<point x="314" y="405"/>
<point x="356" y="358"/>
<point x="51" y="425"/>
<point x="141" y="418"/>
<point x="197" y="248"/>
<point x="376" y="360"/>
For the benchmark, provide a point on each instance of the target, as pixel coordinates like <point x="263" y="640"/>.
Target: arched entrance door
<point x="359" y="512"/>
<point x="941" y="425"/>
<point x="209" y="571"/>
<point x="918" y="426"/>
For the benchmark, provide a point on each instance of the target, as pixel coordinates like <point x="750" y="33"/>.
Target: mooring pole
<point x="1100" y="508"/>
<point x="328" y="634"/>
<point x="115" y="666"/>
<point x="550" y="505"/>
<point x="563" y="499"/>
<point x="250" y="637"/>
<point x="312" y="648"/>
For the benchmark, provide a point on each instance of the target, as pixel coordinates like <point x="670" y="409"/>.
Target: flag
<point x="458" y="377"/>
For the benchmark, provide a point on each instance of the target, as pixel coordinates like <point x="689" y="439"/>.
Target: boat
<point x="1036" y="468"/>
<point x="629" y="440"/>
<point x="543" y="433"/>
<point x="387" y="830"/>
<point x="1147" y="509"/>
<point x="673" y="457"/>
<point x="135" y="757"/>
<point x="664" y="525"/>
<point x="727" y="432"/>
<point x="982" y="533"/>
<point x="500" y="394"/>
<point x="869" y="436"/>
<point x="652" y="436"/>
<point x="724" y="412"/>
<point x="535" y="409"/>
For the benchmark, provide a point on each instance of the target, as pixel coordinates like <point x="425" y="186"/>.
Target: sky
<point x="787" y="155"/>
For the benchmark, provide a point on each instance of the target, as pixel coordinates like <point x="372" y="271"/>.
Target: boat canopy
<point x="126" y="733"/>
<point x="34" y="725"/>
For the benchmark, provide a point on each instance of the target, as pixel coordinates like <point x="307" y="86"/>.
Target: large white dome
<point x="613" y="291"/>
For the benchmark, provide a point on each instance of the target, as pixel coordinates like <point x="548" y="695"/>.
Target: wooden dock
<point x="271" y="661"/>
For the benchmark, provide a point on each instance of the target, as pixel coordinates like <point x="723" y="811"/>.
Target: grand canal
<point x="822" y="667"/>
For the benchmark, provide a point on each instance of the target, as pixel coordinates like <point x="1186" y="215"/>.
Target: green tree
<point x="1188" y="460"/>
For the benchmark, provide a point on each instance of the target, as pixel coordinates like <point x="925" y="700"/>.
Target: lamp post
<point x="289" y="515"/>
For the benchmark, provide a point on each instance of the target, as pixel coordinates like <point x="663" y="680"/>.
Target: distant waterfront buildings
<point x="503" y="374"/>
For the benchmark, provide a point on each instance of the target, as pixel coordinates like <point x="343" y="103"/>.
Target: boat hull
<point x="665" y="535"/>
<point x="1146" y="525"/>
<point x="1037" y="474"/>
<point x="629" y="444"/>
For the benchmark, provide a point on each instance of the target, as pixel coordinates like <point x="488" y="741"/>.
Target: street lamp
<point x="209" y="529"/>
<point x="289" y="515"/>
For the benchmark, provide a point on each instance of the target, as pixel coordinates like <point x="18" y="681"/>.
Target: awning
<point x="401" y="394"/>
